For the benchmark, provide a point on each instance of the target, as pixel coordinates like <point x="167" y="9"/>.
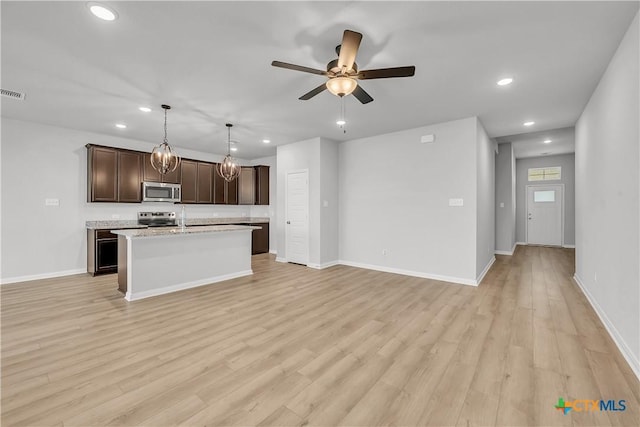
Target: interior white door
<point x="544" y="215"/>
<point x="297" y="218"/>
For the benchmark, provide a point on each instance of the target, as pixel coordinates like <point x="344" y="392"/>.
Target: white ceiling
<point x="211" y="62"/>
<point x="532" y="144"/>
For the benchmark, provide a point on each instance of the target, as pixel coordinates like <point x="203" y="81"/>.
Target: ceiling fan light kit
<point x="341" y="86"/>
<point x="163" y="157"/>
<point x="343" y="74"/>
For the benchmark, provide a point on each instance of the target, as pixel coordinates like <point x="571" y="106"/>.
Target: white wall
<point x="486" y="190"/>
<point x="320" y="157"/>
<point x="329" y="184"/>
<point x="505" y="193"/>
<point x="292" y="157"/>
<point x="394" y="194"/>
<point x="40" y="161"/>
<point x="607" y="194"/>
<point x="567" y="163"/>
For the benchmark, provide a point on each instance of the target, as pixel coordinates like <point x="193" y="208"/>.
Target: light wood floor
<point x="295" y="346"/>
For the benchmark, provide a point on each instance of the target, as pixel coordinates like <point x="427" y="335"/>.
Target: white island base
<point x="159" y="261"/>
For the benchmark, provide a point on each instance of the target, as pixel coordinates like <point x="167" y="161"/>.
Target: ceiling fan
<point x="343" y="72"/>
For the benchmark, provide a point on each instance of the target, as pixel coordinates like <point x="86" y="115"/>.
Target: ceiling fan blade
<point x="383" y="73"/>
<point x="298" y="68"/>
<point x="313" y="92"/>
<point x="361" y="95"/>
<point x="349" y="49"/>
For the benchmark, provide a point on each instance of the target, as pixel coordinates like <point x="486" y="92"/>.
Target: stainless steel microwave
<point x="160" y="192"/>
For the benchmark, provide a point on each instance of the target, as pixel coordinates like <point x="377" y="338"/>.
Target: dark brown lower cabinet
<point x="260" y="238"/>
<point x="102" y="252"/>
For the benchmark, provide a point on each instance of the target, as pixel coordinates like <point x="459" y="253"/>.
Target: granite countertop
<point x="177" y="231"/>
<point x="124" y="224"/>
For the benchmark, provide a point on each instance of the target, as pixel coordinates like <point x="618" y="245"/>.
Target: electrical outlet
<point x="52" y="202"/>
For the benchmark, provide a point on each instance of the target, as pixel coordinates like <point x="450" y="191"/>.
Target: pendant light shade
<point x="229" y="169"/>
<point x="341" y="86"/>
<point x="163" y="157"/>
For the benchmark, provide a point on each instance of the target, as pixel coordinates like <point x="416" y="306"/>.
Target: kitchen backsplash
<point x="124" y="211"/>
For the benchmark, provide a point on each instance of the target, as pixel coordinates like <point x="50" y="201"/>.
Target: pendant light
<point x="229" y="169"/>
<point x="163" y="158"/>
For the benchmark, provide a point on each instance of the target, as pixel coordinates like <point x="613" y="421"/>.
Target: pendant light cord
<point x="165" y="126"/>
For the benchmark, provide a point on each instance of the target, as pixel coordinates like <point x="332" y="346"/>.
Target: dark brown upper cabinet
<point x="197" y="182"/>
<point x="152" y="175"/>
<point x="189" y="181"/>
<point x="262" y="185"/>
<point x="129" y="177"/>
<point x="205" y="182"/>
<point x="114" y="175"/>
<point x="247" y="186"/>
<point x="102" y="171"/>
<point x="224" y="193"/>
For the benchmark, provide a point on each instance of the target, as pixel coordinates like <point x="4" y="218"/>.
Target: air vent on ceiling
<point x="13" y="94"/>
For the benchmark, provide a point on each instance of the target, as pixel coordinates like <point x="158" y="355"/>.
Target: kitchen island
<point x="156" y="261"/>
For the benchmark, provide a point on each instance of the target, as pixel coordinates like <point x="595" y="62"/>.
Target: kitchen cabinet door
<point x="129" y="177"/>
<point x="149" y="174"/>
<point x="205" y="182"/>
<point x="189" y="173"/>
<point x="231" y="192"/>
<point x="262" y="185"/>
<point x="219" y="187"/>
<point x="152" y="175"/>
<point x="246" y="186"/>
<point x="260" y="239"/>
<point x="102" y="174"/>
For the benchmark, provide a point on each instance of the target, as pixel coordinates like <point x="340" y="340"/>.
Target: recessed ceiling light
<point x="121" y="126"/>
<point x="266" y="141"/>
<point x="547" y="141"/>
<point x="505" y="81"/>
<point x="144" y="109"/>
<point x="234" y="148"/>
<point x="103" y="12"/>
<point x="341" y="122"/>
<point x="529" y="123"/>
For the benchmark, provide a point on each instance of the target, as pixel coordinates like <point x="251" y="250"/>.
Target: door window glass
<point x="545" y="174"/>
<point x="544" y="196"/>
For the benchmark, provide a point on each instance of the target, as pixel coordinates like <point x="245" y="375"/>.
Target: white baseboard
<point x="459" y="280"/>
<point x="569" y="246"/>
<point x="509" y="253"/>
<point x="42" y="276"/>
<point x="273" y="251"/>
<point x="521" y="244"/>
<point x="485" y="271"/>
<point x="324" y="265"/>
<point x="182" y="286"/>
<point x="631" y="359"/>
<point x="504" y="253"/>
<point x="280" y="259"/>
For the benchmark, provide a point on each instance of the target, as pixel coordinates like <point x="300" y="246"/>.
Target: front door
<point x="297" y="218"/>
<point x="544" y="215"/>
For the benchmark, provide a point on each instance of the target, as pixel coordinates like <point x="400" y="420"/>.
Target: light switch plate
<point x="325" y="203"/>
<point x="502" y="204"/>
<point x="456" y="202"/>
<point x="427" y="139"/>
